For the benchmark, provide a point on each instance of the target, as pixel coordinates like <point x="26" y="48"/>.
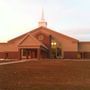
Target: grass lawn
<point x="46" y="75"/>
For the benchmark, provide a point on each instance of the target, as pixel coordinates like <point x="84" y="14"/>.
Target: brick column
<point x="19" y="57"/>
<point x="38" y="54"/>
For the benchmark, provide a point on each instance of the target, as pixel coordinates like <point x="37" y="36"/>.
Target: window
<point x="25" y="52"/>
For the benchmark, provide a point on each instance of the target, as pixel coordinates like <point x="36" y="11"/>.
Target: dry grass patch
<point x="46" y="75"/>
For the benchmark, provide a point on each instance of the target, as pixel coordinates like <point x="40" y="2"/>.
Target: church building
<point x="44" y="43"/>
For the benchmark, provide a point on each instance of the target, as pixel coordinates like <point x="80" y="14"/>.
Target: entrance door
<point x="25" y="53"/>
<point x="33" y="53"/>
<point x="58" y="53"/>
<point x="29" y="53"/>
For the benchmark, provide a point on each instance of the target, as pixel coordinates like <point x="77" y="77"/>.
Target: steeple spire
<point x="42" y="22"/>
<point x="42" y="18"/>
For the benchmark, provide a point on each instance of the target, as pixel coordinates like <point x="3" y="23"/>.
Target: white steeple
<point x="42" y="22"/>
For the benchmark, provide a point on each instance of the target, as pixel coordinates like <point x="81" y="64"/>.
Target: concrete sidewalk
<point x="13" y="62"/>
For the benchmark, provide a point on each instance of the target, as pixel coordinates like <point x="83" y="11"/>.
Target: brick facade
<point x="44" y="43"/>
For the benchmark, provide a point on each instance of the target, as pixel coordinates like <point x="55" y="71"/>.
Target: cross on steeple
<point x="42" y="22"/>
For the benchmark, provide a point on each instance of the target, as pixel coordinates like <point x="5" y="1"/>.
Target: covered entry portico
<point x="28" y="53"/>
<point x="33" y="53"/>
<point x="31" y="48"/>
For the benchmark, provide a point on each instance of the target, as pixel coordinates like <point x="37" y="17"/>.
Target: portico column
<point x="38" y="54"/>
<point x="19" y="57"/>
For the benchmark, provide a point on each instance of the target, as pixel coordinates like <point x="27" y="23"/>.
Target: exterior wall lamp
<point x="53" y="44"/>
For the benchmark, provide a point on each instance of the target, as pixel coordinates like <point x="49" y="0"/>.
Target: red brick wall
<point x="9" y="55"/>
<point x="13" y="55"/>
<point x="2" y="55"/>
<point x="77" y="55"/>
<point x="67" y="55"/>
<point x="71" y="55"/>
<point x="87" y="55"/>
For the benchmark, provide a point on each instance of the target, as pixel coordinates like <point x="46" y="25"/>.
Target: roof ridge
<point x="55" y="32"/>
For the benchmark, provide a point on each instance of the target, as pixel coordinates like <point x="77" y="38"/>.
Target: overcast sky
<point x="70" y="17"/>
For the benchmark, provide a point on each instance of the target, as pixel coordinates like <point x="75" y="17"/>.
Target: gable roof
<point x="52" y="32"/>
<point x="30" y="41"/>
<point x="45" y="30"/>
<point x="23" y="35"/>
